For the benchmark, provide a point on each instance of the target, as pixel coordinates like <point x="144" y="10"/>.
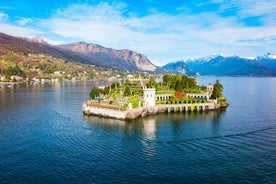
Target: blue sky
<point x="162" y="30"/>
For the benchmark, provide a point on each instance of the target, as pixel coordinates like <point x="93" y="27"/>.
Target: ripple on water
<point x="46" y="139"/>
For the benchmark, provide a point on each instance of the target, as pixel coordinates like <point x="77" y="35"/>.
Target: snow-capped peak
<point x="202" y="59"/>
<point x="271" y="56"/>
<point x="266" y="56"/>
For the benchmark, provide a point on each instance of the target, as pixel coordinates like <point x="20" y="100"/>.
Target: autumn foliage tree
<point x="179" y="95"/>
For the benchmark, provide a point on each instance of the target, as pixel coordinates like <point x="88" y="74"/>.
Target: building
<point x="149" y="97"/>
<point x="17" y="78"/>
<point x="210" y="87"/>
<point x="130" y="76"/>
<point x="2" y="78"/>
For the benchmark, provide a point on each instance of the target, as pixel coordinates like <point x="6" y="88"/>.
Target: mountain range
<point x="125" y="59"/>
<point x="79" y="52"/>
<point x="225" y="66"/>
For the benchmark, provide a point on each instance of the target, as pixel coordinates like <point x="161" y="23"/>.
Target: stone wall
<point x="90" y="110"/>
<point x="144" y="111"/>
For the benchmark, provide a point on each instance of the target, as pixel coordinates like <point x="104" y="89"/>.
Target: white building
<point x="57" y="73"/>
<point x="130" y="76"/>
<point x="210" y="87"/>
<point x="2" y="78"/>
<point x="15" y="77"/>
<point x="149" y="97"/>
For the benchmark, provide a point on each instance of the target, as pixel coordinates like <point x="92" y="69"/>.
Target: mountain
<point x="108" y="57"/>
<point x="230" y="66"/>
<point x="269" y="59"/>
<point x="178" y="67"/>
<point x="79" y="52"/>
<point x="132" y="61"/>
<point x="32" y="46"/>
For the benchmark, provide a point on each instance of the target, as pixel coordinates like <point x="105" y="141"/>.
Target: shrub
<point x="134" y="100"/>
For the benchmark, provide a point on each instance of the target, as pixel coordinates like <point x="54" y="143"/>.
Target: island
<point x="142" y="96"/>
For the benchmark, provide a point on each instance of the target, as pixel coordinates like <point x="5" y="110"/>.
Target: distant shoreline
<point x="41" y="82"/>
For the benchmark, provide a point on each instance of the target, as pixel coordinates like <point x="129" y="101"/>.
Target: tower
<point x="149" y="96"/>
<point x="210" y="87"/>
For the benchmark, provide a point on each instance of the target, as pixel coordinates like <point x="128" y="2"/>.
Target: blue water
<point x="45" y="138"/>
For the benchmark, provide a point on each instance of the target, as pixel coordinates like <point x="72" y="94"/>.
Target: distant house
<point x="35" y="79"/>
<point x="17" y="78"/>
<point x="110" y="79"/>
<point x="2" y="78"/>
<point x="57" y="73"/>
<point x="129" y="76"/>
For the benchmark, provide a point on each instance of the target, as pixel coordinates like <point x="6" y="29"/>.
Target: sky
<point x="163" y="30"/>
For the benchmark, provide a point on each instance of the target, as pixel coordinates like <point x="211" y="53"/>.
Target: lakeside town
<point x="139" y="97"/>
<point x="40" y="68"/>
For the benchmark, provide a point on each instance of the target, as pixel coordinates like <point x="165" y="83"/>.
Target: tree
<point x="178" y="86"/>
<point x="106" y="90"/>
<point x="127" y="91"/>
<point x="127" y="82"/>
<point x="152" y="82"/>
<point x="170" y="80"/>
<point x="115" y="85"/>
<point x="94" y="92"/>
<point x="191" y="82"/>
<point x="16" y="71"/>
<point x="219" y="85"/>
<point x="217" y="90"/>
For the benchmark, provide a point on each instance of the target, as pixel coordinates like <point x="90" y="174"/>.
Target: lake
<point x="45" y="138"/>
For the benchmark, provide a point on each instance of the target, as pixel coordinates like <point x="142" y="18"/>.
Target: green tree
<point x="16" y="71"/>
<point x="178" y="86"/>
<point x="127" y="82"/>
<point x="115" y="85"/>
<point x="152" y="82"/>
<point x="170" y="81"/>
<point x="217" y="90"/>
<point x="94" y="92"/>
<point x="127" y="91"/>
<point x="106" y="90"/>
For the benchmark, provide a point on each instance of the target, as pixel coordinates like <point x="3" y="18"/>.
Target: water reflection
<point x="105" y="123"/>
<point x="149" y="130"/>
<point x="161" y="127"/>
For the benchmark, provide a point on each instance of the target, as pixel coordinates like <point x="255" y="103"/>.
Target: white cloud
<point x="257" y="8"/>
<point x="52" y="42"/>
<point x="160" y="36"/>
<point x="23" y="21"/>
<point x="19" y="31"/>
<point x="3" y="16"/>
<point x="8" y="27"/>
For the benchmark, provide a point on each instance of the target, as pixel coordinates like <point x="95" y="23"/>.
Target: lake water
<point x="45" y="138"/>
